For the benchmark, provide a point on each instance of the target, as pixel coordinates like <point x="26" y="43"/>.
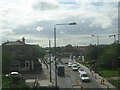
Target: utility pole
<point x="50" y="59"/>
<point x="55" y="56"/>
<point x="98" y="61"/>
<point x="98" y="55"/>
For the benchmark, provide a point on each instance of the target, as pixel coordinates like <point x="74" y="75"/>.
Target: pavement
<point x="98" y="78"/>
<point x="38" y="79"/>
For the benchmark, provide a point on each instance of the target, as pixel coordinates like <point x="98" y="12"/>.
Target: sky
<point x="35" y="20"/>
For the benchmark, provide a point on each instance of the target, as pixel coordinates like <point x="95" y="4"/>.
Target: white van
<point x="84" y="76"/>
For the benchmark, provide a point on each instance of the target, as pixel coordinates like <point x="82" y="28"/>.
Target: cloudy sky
<point x="35" y="20"/>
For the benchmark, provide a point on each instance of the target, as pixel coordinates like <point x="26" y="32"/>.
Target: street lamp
<point x="74" y="23"/>
<point x="114" y="37"/>
<point x="98" y="52"/>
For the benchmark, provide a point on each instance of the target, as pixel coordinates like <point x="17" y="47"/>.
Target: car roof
<point x="83" y="72"/>
<point x="14" y="73"/>
<point x="74" y="65"/>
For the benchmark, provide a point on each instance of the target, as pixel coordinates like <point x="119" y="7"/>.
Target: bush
<point x="13" y="82"/>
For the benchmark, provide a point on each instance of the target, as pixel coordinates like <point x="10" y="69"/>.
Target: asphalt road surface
<point x="71" y="76"/>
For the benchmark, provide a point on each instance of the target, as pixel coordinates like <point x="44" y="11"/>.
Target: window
<point x="27" y="64"/>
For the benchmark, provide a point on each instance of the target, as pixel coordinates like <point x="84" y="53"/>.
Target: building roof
<point x="18" y="42"/>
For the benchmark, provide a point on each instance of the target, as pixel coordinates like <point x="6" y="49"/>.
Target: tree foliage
<point x="109" y="57"/>
<point x="91" y="52"/>
<point x="38" y="52"/>
<point x="7" y="58"/>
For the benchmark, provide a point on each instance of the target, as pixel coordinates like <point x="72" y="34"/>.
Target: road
<point x="71" y="76"/>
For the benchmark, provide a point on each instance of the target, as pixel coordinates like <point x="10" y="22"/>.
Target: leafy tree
<point x="7" y="58"/>
<point x="91" y="53"/>
<point x="69" y="48"/>
<point x="109" y="57"/>
<point x="38" y="52"/>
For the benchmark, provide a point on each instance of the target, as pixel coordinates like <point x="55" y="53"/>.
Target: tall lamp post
<point x="50" y="59"/>
<point x="98" y="52"/>
<point x="114" y="37"/>
<point x="74" y="23"/>
<point x="113" y="63"/>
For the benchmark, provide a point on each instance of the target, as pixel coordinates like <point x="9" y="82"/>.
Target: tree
<point x="69" y="48"/>
<point x="38" y="52"/>
<point x="7" y="59"/>
<point x="91" y="52"/>
<point x="109" y="57"/>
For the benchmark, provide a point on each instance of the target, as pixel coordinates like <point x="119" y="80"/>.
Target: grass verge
<point x="109" y="73"/>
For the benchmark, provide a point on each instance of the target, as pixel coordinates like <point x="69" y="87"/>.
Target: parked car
<point x="13" y="74"/>
<point x="74" y="67"/>
<point x="84" y="77"/>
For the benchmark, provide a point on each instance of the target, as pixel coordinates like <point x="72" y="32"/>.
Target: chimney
<point x="23" y="40"/>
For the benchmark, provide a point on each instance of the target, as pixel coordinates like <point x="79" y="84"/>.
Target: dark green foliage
<point x="7" y="58"/>
<point x="69" y="48"/>
<point x="109" y="57"/>
<point x="38" y="52"/>
<point x="91" y="52"/>
<point x="13" y="82"/>
<point x="109" y="73"/>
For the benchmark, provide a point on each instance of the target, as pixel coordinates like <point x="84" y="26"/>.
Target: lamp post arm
<point x="73" y="23"/>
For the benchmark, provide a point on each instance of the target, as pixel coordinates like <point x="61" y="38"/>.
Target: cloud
<point x="19" y="18"/>
<point x="7" y="32"/>
<point x="39" y="28"/>
<point x="43" y="5"/>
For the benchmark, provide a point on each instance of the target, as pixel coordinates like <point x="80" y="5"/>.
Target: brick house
<point x="25" y="59"/>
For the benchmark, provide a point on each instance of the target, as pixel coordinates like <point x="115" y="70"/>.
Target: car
<point x="66" y="62"/>
<point x="84" y="77"/>
<point x="78" y="66"/>
<point x="74" y="67"/>
<point x="80" y="70"/>
<point x="74" y="62"/>
<point x="69" y="64"/>
<point x="14" y="73"/>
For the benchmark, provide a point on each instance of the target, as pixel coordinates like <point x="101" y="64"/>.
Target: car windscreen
<point x="74" y="66"/>
<point x="84" y="75"/>
<point x="81" y="69"/>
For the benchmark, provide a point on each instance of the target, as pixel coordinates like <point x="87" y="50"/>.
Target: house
<point x="24" y="56"/>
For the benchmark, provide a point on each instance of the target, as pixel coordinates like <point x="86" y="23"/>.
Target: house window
<point x="27" y="64"/>
<point x="22" y="64"/>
